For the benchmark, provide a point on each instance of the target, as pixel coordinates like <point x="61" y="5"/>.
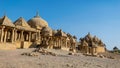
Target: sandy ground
<point x="14" y="59"/>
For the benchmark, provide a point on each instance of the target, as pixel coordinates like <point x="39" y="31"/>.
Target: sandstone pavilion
<point x="32" y="33"/>
<point x="37" y="33"/>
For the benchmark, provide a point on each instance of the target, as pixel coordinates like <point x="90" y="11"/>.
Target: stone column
<point x="29" y="37"/>
<point x="12" y="39"/>
<point x="39" y="35"/>
<point x="2" y="33"/>
<point x="26" y="37"/>
<point x="5" y="36"/>
<point x="36" y="38"/>
<point x="66" y="43"/>
<point x="22" y="37"/>
<point x="95" y="50"/>
<point x="57" y="42"/>
<point x="15" y="35"/>
<point x="92" y="50"/>
<point x="87" y="49"/>
<point x="19" y="37"/>
<point x="61" y="45"/>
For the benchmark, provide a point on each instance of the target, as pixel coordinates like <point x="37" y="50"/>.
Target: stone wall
<point x="67" y="49"/>
<point x="7" y="46"/>
<point x="100" y="49"/>
<point x="25" y="44"/>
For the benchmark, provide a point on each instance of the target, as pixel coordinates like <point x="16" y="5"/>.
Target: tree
<point x="115" y="49"/>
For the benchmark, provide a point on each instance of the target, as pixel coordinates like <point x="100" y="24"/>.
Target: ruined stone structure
<point x="91" y="45"/>
<point x="22" y="34"/>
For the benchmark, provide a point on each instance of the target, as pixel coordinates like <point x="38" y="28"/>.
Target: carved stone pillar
<point x="39" y="35"/>
<point x="61" y="45"/>
<point x="29" y="37"/>
<point x="55" y="42"/>
<point x="87" y="49"/>
<point x="59" y="42"/>
<point x="96" y="51"/>
<point x="92" y="50"/>
<point x="2" y="33"/>
<point x="5" y="35"/>
<point x="15" y="35"/>
<point x="12" y="39"/>
<point x="19" y="36"/>
<point x="22" y="37"/>
<point x="36" y="38"/>
<point x="66" y="43"/>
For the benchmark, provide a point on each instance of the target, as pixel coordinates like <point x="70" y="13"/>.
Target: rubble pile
<point x="45" y="52"/>
<point x="104" y="56"/>
<point x="39" y="51"/>
<point x="30" y="54"/>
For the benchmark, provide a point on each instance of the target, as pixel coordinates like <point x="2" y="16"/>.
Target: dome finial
<point x="4" y="14"/>
<point x="37" y="14"/>
<point x="88" y="32"/>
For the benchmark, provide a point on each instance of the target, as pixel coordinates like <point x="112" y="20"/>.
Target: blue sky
<point x="78" y="17"/>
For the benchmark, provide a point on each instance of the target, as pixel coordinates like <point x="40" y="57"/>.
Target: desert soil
<point x="14" y="59"/>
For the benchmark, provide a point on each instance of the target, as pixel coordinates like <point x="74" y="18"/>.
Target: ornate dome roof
<point x="54" y="32"/>
<point x="89" y="35"/>
<point x="37" y="22"/>
<point x="60" y="33"/>
<point x="46" y="31"/>
<point x="95" y="39"/>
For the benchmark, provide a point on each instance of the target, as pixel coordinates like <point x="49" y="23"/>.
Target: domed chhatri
<point x="23" y="34"/>
<point x="37" y="22"/>
<point x="91" y="45"/>
<point x="46" y="31"/>
<point x="37" y="33"/>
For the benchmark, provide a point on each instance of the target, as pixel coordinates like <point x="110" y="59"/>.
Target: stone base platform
<point x="16" y="45"/>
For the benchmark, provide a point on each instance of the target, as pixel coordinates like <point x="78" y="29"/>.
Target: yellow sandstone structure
<point x="91" y="45"/>
<point x="35" y="32"/>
